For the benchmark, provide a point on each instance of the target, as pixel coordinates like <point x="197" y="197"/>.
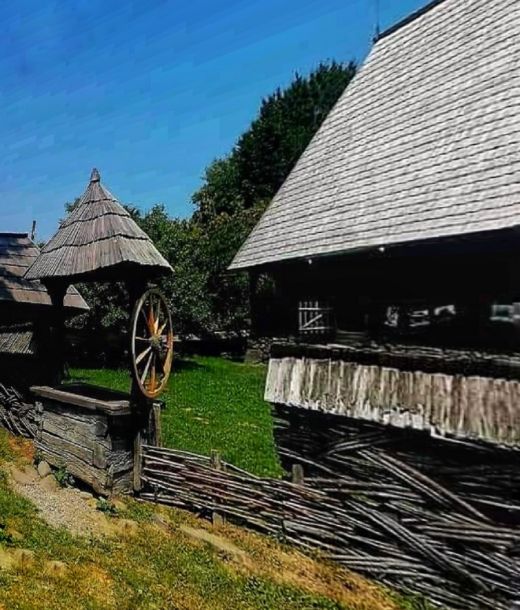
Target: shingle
<point x="424" y="143"/>
<point x="17" y="339"/>
<point x="17" y="252"/>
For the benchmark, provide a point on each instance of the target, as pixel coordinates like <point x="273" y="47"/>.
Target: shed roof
<point x="423" y="144"/>
<point x="17" y="339"/>
<point x="98" y="236"/>
<point x="17" y="253"/>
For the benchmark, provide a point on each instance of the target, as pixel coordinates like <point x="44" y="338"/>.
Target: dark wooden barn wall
<point x="470" y="275"/>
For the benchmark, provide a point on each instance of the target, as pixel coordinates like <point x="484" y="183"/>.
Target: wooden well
<point x="89" y="431"/>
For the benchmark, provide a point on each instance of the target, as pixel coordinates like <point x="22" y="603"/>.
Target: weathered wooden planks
<point x="91" y="437"/>
<point x="480" y="408"/>
<point x="409" y="357"/>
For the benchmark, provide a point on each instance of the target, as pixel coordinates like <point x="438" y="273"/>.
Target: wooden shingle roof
<point x="17" y="253"/>
<point x="423" y="144"/>
<point x="98" y="237"/>
<point x="17" y="339"/>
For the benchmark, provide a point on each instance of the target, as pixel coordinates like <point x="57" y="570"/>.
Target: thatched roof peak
<point x="98" y="240"/>
<point x="94" y="176"/>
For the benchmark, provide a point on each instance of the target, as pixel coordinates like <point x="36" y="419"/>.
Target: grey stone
<point x="49" y="483"/>
<point x="44" y="469"/>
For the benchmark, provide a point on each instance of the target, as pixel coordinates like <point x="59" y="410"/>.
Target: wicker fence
<point x="16" y="415"/>
<point x="385" y="519"/>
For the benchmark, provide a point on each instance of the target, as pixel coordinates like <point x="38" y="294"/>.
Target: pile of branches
<point x="17" y="416"/>
<point x="363" y="506"/>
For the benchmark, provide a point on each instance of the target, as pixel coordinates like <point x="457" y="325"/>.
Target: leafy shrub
<point x="107" y="507"/>
<point x="63" y="476"/>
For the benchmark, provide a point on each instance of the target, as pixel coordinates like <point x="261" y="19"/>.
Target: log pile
<point x="16" y="415"/>
<point x="366" y="506"/>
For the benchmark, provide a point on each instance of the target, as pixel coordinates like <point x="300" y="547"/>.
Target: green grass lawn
<point x="159" y="565"/>
<point x="211" y="403"/>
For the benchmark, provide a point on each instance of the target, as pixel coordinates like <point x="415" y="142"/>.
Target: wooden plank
<point x="115" y="407"/>
<point x="138" y="460"/>
<point x="94" y="477"/>
<point x="79" y="432"/>
<point x="60" y="445"/>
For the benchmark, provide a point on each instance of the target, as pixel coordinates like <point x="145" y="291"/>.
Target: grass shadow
<point x="186" y="364"/>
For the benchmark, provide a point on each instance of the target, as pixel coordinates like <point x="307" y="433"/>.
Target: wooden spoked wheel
<point x="152" y="343"/>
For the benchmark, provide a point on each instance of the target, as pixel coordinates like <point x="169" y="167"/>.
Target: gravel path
<point x="60" y="507"/>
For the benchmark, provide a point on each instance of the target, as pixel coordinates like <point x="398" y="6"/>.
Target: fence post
<point x="217" y="518"/>
<point x="138" y="460"/>
<point x="297" y="478"/>
<point x="154" y="425"/>
<point x="297" y="474"/>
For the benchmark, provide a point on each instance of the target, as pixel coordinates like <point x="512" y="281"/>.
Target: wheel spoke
<point x="151" y="322"/>
<point x="143" y="354"/>
<point x="147" y="326"/>
<point x="157" y="315"/>
<point x="161" y="329"/>
<point x="146" y="368"/>
<point x="152" y="377"/>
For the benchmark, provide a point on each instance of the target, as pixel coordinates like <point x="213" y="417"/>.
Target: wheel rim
<point x="152" y="343"/>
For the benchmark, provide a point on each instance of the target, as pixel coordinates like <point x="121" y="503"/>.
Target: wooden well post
<point x="56" y="363"/>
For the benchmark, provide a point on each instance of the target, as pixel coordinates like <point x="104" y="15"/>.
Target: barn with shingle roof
<point x="394" y="246"/>
<point x="406" y="203"/>
<point x="393" y="243"/>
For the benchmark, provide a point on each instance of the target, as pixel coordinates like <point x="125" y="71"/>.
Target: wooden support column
<point x="253" y="303"/>
<point x="140" y="405"/>
<point x="57" y="291"/>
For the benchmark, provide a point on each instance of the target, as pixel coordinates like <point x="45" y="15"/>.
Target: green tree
<point x="236" y="189"/>
<point x="265" y="154"/>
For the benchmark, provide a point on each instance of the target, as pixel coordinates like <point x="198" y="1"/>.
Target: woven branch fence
<point x="16" y="415"/>
<point x="374" y="514"/>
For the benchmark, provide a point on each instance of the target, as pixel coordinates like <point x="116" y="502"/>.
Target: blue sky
<point x="150" y="92"/>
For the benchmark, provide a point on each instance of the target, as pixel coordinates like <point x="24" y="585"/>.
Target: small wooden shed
<point x="25" y="313"/>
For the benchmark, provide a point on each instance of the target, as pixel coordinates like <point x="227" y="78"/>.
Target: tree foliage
<point x="235" y="191"/>
<point x="265" y="154"/>
<point x="237" y="188"/>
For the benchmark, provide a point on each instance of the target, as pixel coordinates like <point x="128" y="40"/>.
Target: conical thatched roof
<point x="98" y="240"/>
